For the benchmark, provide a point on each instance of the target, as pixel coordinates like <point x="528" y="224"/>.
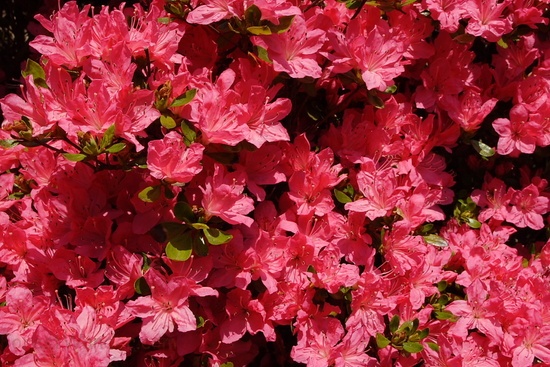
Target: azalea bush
<point x="279" y="183"/>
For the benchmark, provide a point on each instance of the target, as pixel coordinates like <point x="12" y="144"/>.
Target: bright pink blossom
<point x="486" y="19"/>
<point x="244" y="315"/>
<point x="165" y="309"/>
<point x="517" y="134"/>
<point x="294" y="51"/>
<point x="20" y="318"/>
<point x="223" y="197"/>
<point x="169" y="159"/>
<point x="374" y="51"/>
<point x="70" y="44"/>
<point x="527" y="208"/>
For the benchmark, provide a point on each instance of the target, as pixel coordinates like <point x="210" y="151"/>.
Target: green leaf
<point x="167" y="121"/>
<point x="263" y="55"/>
<point x="394" y="324"/>
<point x="415" y="324"/>
<point x="375" y="100"/>
<point x="483" y="149"/>
<point x="8" y="143"/>
<point x="141" y="287"/>
<point x="435" y="240"/>
<point x="199" y="225"/>
<point x="382" y="341"/>
<point x="444" y="315"/>
<point x="426" y="228"/>
<point x="442" y="285"/>
<point x="115" y="148"/>
<point x="173" y="229"/>
<point x="200" y="322"/>
<point x="260" y="30"/>
<point x="146" y="262"/>
<point x="391" y="89"/>
<point x="473" y="223"/>
<point x="189" y="135"/>
<point x="107" y="138"/>
<point x="180" y="248"/>
<point x="164" y="20"/>
<point x="252" y="15"/>
<point x="284" y="24"/>
<point x="349" y="190"/>
<point x="90" y="147"/>
<point x="184" y="212"/>
<point x="443" y="300"/>
<point x="352" y="4"/>
<point x="342" y="197"/>
<point x="413" y="347"/>
<point x="39" y="76"/>
<point x="216" y="237"/>
<point x="433" y="346"/>
<point x="200" y="246"/>
<point x="423" y="333"/>
<point x="407" y="327"/>
<point x="75" y="157"/>
<point x="227" y="364"/>
<point x="150" y="194"/>
<point x="502" y="43"/>
<point x="185" y="98"/>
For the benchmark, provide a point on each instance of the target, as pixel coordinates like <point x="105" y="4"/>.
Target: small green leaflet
<point x="382" y="341"/>
<point x="180" y="247"/>
<point x="39" y="76"/>
<point x="167" y="121"/>
<point x="483" y="149"/>
<point x="75" y="157"/>
<point x="216" y="237"/>
<point x="150" y="194"/>
<point x="436" y="241"/>
<point x="185" y="98"/>
<point x="413" y="347"/>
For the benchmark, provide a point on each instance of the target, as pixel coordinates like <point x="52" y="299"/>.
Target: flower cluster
<point x="276" y="183"/>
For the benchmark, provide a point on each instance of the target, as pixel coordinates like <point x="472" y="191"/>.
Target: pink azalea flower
<point x="511" y="62"/>
<point x="169" y="159"/>
<point x="294" y="51"/>
<point x="223" y="197"/>
<point x="123" y="269"/>
<point x="528" y="338"/>
<point x="479" y="311"/>
<point x="263" y="167"/>
<point x="263" y="118"/>
<point x="244" y="315"/>
<point x="71" y="29"/>
<point x="165" y="308"/>
<point x="517" y="134"/>
<point x="380" y="190"/>
<point x="494" y="199"/>
<point x="351" y="351"/>
<point x="469" y="110"/>
<point x="211" y="11"/>
<point x="76" y="270"/>
<point x="486" y="19"/>
<point x="20" y="318"/>
<point x="214" y="113"/>
<point x="369" y="305"/>
<point x="38" y="105"/>
<point x="447" y="12"/>
<point x="528" y="207"/>
<point x="374" y="51"/>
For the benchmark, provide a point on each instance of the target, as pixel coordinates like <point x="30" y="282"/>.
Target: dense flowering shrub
<point x="275" y="183"/>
